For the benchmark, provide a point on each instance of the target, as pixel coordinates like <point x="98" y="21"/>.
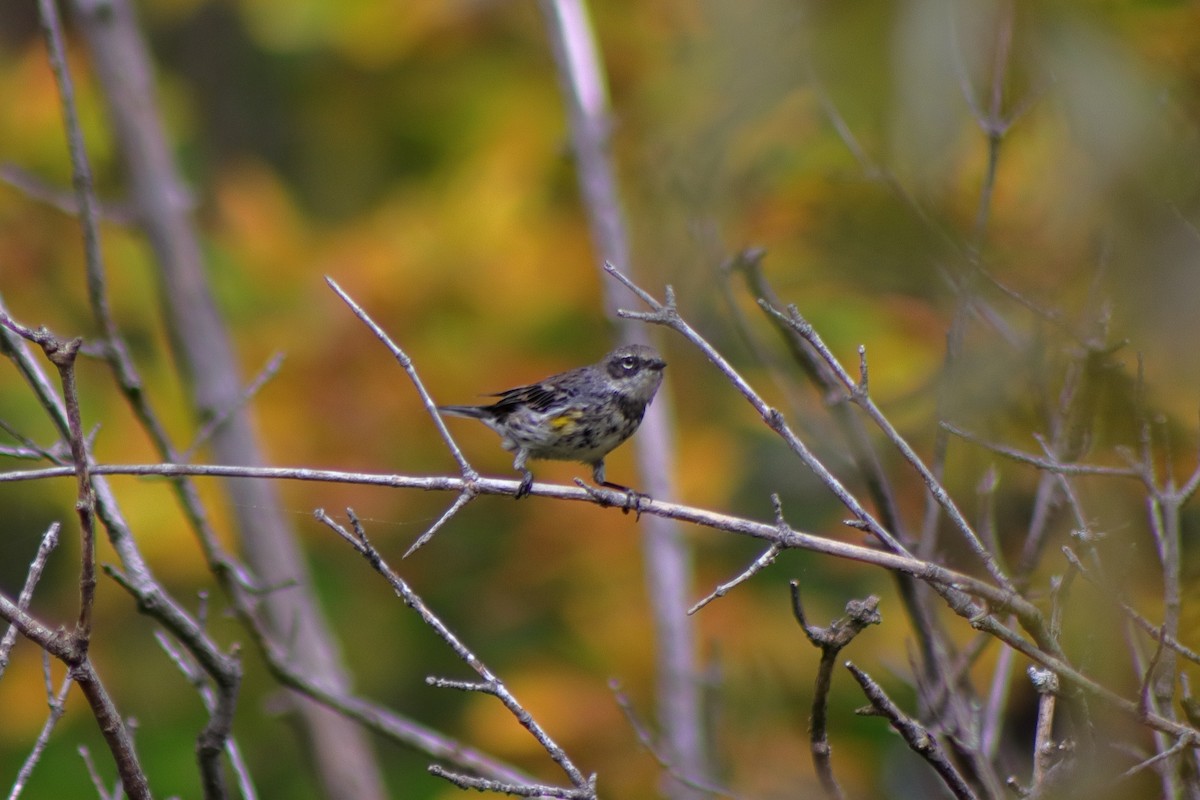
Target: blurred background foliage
<point x="416" y="152"/>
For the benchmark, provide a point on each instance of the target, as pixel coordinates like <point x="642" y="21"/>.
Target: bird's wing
<point x="537" y="396"/>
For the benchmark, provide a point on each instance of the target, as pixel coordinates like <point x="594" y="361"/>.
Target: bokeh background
<point x="416" y="152"/>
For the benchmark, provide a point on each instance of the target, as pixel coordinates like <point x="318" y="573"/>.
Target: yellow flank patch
<point x="563" y="420"/>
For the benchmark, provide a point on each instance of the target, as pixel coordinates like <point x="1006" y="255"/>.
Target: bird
<point x="582" y="414"/>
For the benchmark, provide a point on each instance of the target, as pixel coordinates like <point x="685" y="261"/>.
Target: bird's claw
<point x="634" y="500"/>
<point x="525" y="486"/>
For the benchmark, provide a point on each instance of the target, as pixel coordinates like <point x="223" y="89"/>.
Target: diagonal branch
<point x="491" y="682"/>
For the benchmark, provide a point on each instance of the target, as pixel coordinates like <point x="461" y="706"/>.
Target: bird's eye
<point x="628" y="362"/>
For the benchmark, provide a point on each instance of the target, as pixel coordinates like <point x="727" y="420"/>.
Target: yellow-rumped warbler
<point x="578" y="415"/>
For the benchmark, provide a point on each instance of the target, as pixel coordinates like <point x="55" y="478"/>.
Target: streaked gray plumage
<point x="579" y="415"/>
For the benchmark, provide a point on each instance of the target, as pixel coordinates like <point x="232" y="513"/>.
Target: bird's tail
<point x="471" y="412"/>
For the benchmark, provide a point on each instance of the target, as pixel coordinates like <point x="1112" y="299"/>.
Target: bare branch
<point x="516" y="790"/>
<point x="788" y="538"/>
<point x="919" y="740"/>
<point x="931" y="573"/>
<point x="496" y="687"/>
<point x="58" y="706"/>
<point x="468" y="472"/>
<point x="468" y="494"/>
<point x="646" y="740"/>
<point x="1184" y="743"/>
<point x="218" y="733"/>
<point x="49" y="542"/>
<point x="1045" y="464"/>
<point x="65" y="201"/>
<point x="831" y="641"/>
<point x="1044" y="750"/>
<point x="762" y="562"/>
<point x="666" y="314"/>
<point x="94" y="774"/>
<point x="268" y="372"/>
<point x="859" y="396"/>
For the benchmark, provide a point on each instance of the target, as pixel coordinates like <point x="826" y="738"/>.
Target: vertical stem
<point x="668" y="558"/>
<point x="1162" y="686"/>
<point x="205" y="357"/>
<point x="62" y="355"/>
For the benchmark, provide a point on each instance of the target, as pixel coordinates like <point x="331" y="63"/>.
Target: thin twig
<point x="1111" y="594"/>
<point x="358" y="538"/>
<point x="34" y="574"/>
<point x="1046" y="464"/>
<point x="81" y="170"/>
<point x="62" y="353"/>
<point x="1182" y="744"/>
<point x="64" y="200"/>
<point x="831" y="641"/>
<point x="646" y="740"/>
<point x="268" y="372"/>
<point x="667" y="314"/>
<point x="467" y="495"/>
<point x="919" y="740"/>
<point x="860" y="397"/>
<point x="31" y="447"/>
<point x="58" y="706"/>
<point x="514" y="789"/>
<point x="210" y="767"/>
<point x="759" y="564"/>
<point x="468" y="472"/>
<point x="93" y="773"/>
<point x="1046" y="684"/>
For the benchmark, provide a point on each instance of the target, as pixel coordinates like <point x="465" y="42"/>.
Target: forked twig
<point x="758" y="565"/>
<point x="491" y="683"/>
<point x="667" y="314"/>
<point x="919" y="740"/>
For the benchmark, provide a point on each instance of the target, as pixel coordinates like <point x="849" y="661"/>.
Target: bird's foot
<point x="526" y="485"/>
<point x="634" y="500"/>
